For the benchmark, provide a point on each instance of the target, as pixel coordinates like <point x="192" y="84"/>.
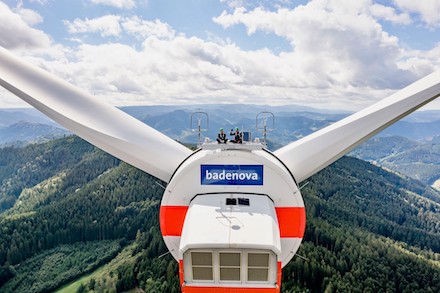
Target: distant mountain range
<point x="410" y="146"/>
<point x="19" y="127"/>
<point x="14" y="115"/>
<point x="23" y="133"/>
<point x="289" y="124"/>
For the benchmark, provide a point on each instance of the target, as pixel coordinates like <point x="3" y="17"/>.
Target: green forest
<point x="70" y="210"/>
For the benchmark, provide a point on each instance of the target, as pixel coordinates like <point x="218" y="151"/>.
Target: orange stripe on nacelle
<point x="279" y="274"/>
<point x="292" y="221"/>
<point x="171" y="220"/>
<point x="181" y="273"/>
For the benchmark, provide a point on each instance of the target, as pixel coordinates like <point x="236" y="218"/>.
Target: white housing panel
<point x="211" y="223"/>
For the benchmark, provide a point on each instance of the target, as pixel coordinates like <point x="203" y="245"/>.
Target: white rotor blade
<point x="314" y="152"/>
<point x="99" y="123"/>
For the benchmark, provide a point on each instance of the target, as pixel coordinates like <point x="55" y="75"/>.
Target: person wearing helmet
<point x="221" y="137"/>
<point x="238" y="136"/>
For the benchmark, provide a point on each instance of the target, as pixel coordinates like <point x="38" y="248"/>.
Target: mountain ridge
<point x="421" y="130"/>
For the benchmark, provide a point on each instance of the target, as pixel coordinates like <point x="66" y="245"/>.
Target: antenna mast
<point x="199" y="115"/>
<point x="262" y="118"/>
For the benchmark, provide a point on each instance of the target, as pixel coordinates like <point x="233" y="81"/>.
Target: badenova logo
<point x="231" y="174"/>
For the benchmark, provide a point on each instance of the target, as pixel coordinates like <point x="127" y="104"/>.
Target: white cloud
<point x="143" y="28"/>
<point x="122" y="4"/>
<point x="332" y="44"/>
<point x="389" y="14"/>
<point x="115" y="26"/>
<point x="341" y="57"/>
<point x="234" y="3"/>
<point x="106" y="26"/>
<point x="29" y="16"/>
<point x="191" y="70"/>
<point x="16" y="30"/>
<point x="422" y="62"/>
<point x="429" y="10"/>
<point x="41" y="2"/>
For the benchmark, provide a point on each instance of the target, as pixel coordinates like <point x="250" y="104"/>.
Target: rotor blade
<point x="101" y="124"/>
<point x="314" y="152"/>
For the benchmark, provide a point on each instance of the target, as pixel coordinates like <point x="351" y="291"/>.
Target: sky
<point x="328" y="54"/>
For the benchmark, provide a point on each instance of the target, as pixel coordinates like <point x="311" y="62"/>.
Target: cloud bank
<point x="340" y="57"/>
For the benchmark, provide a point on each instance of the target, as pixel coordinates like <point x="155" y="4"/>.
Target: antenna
<point x="262" y="126"/>
<point x="199" y="115"/>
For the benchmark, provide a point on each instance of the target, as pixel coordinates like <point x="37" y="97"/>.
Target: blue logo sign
<point x="231" y="174"/>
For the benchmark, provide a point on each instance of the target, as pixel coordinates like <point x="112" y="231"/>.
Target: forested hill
<point x="69" y="208"/>
<point x="417" y="159"/>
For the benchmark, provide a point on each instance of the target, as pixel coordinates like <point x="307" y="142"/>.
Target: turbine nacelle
<point x="232" y="216"/>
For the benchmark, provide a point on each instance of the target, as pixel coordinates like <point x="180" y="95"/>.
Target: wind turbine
<point x="232" y="215"/>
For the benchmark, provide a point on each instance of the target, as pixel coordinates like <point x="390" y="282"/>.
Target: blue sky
<point x="322" y="53"/>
